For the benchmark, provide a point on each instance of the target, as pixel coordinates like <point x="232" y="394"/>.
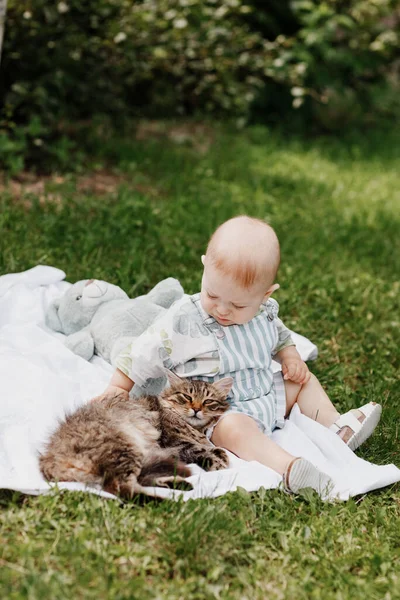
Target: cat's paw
<point x="215" y="459"/>
<point x="174" y="482"/>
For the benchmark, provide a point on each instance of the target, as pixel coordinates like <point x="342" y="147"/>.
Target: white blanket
<point x="41" y="380"/>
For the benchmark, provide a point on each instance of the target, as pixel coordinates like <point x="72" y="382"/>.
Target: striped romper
<point x="189" y="342"/>
<point x="245" y="354"/>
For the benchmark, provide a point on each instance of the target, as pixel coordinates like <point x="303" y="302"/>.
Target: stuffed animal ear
<point x="173" y="378"/>
<point x="52" y="318"/>
<point x="224" y="385"/>
<point x="166" y="292"/>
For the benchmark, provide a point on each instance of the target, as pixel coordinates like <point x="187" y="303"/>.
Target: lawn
<point x="143" y="211"/>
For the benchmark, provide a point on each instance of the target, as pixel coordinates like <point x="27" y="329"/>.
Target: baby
<point x="232" y="328"/>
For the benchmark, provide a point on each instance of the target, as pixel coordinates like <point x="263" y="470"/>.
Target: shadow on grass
<point x="12" y="498"/>
<point x="380" y="145"/>
<point x="130" y="240"/>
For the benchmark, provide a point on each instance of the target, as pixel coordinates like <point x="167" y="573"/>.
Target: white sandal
<point x="361" y="429"/>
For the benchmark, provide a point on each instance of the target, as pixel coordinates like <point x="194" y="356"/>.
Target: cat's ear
<point x="224" y="385"/>
<point x="173" y="379"/>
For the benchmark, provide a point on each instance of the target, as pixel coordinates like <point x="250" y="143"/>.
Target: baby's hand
<point x="295" y="370"/>
<point x="110" y="392"/>
<point x="120" y="385"/>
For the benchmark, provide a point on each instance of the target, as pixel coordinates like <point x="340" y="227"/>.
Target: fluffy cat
<point x="123" y="445"/>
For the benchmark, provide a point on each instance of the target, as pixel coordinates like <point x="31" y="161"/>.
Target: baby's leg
<point x="312" y="400"/>
<point x="314" y="403"/>
<point x="241" y="435"/>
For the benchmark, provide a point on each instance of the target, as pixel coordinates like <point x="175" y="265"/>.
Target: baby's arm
<point x="119" y="383"/>
<point x="293" y="366"/>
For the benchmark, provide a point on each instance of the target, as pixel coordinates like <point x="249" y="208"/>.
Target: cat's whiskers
<point x="198" y="402"/>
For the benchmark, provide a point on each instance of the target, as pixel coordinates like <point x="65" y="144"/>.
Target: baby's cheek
<point x="208" y="306"/>
<point x="205" y="303"/>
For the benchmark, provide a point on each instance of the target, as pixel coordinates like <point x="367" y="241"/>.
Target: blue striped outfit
<point x="245" y="354"/>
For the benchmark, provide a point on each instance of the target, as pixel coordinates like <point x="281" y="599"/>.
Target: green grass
<point x="336" y="208"/>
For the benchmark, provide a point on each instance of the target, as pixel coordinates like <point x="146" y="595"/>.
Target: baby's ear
<point x="224" y="385"/>
<point x="173" y="378"/>
<point x="271" y="290"/>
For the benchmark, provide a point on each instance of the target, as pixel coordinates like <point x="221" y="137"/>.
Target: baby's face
<point x="226" y="301"/>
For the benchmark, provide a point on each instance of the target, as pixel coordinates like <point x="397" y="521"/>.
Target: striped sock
<point x="302" y="474"/>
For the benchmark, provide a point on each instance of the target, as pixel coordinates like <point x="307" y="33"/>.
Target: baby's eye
<point x="238" y="307"/>
<point x="210" y="296"/>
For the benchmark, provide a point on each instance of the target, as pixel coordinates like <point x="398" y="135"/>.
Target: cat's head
<point x="198" y="402"/>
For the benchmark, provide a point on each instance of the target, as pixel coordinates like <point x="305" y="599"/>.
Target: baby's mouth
<point x="223" y="321"/>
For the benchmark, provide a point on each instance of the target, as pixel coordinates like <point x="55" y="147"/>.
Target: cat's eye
<point x="78" y="297"/>
<point x="182" y="398"/>
<point x="210" y="403"/>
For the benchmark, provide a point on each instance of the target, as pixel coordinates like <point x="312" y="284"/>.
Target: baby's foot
<point x="346" y="432"/>
<point x="355" y="426"/>
<point x="302" y="474"/>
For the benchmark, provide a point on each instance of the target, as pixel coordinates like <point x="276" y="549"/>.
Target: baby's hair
<point x="246" y="249"/>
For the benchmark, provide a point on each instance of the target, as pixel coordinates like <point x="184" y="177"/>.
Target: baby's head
<point x="240" y="267"/>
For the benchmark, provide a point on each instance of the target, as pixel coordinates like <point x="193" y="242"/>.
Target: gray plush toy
<point x="99" y="318"/>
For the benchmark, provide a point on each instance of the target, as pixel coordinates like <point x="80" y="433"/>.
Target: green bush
<point x="339" y="62"/>
<point x="66" y="62"/>
<point x="191" y="56"/>
<point x="58" y="67"/>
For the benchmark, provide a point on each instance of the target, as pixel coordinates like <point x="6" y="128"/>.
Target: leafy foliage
<point x="192" y="56"/>
<point x="66" y="61"/>
<point x="58" y="67"/>
<point x="340" y="62"/>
